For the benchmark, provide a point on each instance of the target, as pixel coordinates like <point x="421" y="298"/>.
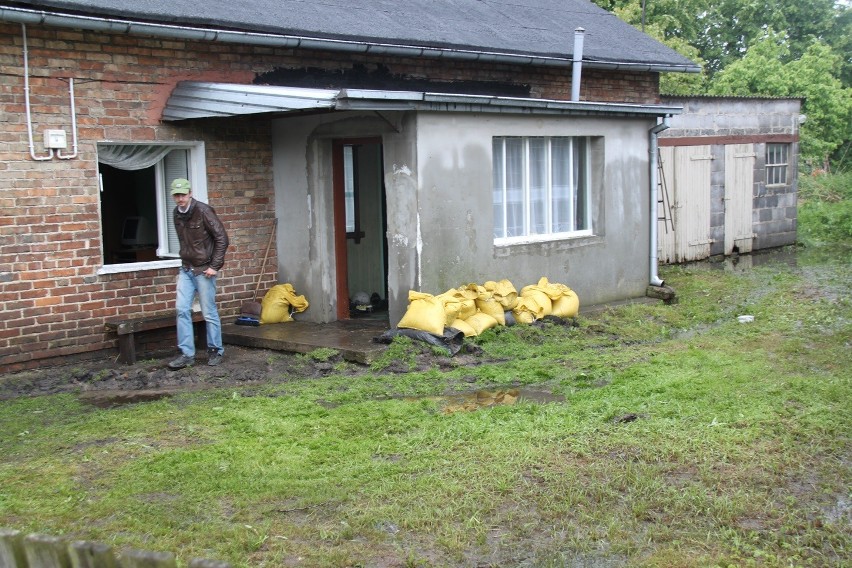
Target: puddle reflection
<point x="111" y="399"/>
<point x="473" y="401"/>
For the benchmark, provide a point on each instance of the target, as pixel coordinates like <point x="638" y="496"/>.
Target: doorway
<point x="360" y="226"/>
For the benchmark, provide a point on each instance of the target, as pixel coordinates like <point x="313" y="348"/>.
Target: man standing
<point x="203" y="242"/>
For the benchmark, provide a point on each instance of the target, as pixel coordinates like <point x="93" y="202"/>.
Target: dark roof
<point x="515" y="28"/>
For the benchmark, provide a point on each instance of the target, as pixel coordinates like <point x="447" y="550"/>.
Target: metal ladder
<point x="663" y="196"/>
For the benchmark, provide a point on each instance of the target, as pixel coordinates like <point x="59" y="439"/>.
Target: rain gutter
<point x="102" y="24"/>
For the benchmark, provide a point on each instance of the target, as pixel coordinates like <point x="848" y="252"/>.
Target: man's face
<point x="182" y="199"/>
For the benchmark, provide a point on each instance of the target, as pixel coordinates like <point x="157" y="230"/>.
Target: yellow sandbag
<point x="566" y="306"/>
<point x="488" y="305"/>
<point x="504" y="292"/>
<point x="464" y="327"/>
<point x="466" y="299"/>
<point x="425" y="312"/>
<point x="527" y="310"/>
<point x="540" y="297"/>
<point x="481" y="321"/>
<point x="452" y="308"/>
<point x="471" y="291"/>
<point x="554" y="290"/>
<point x="277" y="303"/>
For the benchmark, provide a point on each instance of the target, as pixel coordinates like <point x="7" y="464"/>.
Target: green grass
<point x="738" y="453"/>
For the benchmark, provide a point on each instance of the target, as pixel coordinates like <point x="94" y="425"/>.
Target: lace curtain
<point x="131" y="156"/>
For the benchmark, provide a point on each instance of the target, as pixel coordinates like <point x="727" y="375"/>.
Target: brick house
<point x="485" y="141"/>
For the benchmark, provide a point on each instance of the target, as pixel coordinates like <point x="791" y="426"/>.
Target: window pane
<point x="514" y="187"/>
<point x="541" y="186"/>
<point x="776" y="163"/>
<point x="581" y="186"/>
<point x="560" y="152"/>
<point x="349" y="188"/>
<point x="175" y="165"/>
<point x="499" y="183"/>
<point x="538" y="186"/>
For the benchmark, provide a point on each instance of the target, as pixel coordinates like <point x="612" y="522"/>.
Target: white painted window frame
<point x="777" y="169"/>
<point x="165" y="204"/>
<point x="548" y="235"/>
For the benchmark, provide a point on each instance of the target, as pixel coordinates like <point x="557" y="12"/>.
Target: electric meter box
<point x="55" y="139"/>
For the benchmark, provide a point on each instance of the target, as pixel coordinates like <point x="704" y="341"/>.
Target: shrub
<point x="825" y="208"/>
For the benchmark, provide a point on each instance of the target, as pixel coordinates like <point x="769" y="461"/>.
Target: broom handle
<point x="265" y="256"/>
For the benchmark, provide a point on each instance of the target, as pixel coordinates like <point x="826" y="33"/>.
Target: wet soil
<point x="106" y="382"/>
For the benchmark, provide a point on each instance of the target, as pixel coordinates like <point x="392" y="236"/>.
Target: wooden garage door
<point x="687" y="173"/>
<point x="739" y="183"/>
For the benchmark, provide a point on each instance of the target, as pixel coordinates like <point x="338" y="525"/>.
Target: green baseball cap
<point x="181" y="185"/>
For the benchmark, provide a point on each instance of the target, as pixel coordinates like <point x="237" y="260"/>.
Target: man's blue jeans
<point x="188" y="284"/>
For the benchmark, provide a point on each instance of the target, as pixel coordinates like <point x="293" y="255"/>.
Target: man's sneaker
<point x="213" y="357"/>
<point x="181" y="362"/>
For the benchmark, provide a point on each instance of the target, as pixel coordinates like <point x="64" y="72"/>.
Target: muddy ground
<point x="108" y="381"/>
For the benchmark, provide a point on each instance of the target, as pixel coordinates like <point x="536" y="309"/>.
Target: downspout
<point x="33" y="155"/>
<point x="654" y="214"/>
<point x="73" y="124"/>
<point x="577" y="63"/>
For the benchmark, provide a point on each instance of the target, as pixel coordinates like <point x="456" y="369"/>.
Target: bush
<point x="825" y="208"/>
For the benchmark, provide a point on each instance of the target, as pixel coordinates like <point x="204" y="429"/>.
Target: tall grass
<point x="825" y="208"/>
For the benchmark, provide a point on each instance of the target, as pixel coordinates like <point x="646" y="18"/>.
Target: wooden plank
<point x="12" y="549"/>
<point x="129" y="325"/>
<point x="45" y="551"/>
<point x="203" y="563"/>
<point x="144" y="559"/>
<point x="91" y="555"/>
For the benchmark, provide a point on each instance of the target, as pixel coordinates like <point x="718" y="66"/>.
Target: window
<point x="776" y="164"/>
<point x="541" y="188"/>
<point x="136" y="205"/>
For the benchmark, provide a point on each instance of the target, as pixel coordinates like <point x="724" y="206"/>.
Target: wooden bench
<point x="126" y="328"/>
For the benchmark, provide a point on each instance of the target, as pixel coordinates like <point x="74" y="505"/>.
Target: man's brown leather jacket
<point x="203" y="240"/>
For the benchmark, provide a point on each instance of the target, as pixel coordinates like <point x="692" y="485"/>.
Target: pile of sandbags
<point x="474" y="308"/>
<point x="280" y="303"/>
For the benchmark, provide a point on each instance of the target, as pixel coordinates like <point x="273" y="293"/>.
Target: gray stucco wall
<point x="304" y="201"/>
<point x="439" y="206"/>
<point x="456" y="217"/>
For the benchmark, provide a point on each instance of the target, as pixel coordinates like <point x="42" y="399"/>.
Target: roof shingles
<point x="536" y="28"/>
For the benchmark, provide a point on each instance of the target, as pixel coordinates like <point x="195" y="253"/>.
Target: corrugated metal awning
<point x="206" y="100"/>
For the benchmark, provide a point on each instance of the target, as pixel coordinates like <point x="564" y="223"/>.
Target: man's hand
<point x="210" y="273"/>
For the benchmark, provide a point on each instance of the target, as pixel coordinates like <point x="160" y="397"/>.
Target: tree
<point x="813" y="77"/>
<point x="723" y="30"/>
<point x="788" y="48"/>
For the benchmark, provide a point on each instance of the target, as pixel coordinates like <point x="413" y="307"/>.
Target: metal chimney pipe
<point x="577" y="63"/>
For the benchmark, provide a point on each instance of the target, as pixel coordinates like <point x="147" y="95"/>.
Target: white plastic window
<point x="541" y="188"/>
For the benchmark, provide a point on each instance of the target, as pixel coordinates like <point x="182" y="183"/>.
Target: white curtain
<point x="131" y="156"/>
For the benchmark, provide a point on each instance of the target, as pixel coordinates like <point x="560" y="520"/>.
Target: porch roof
<point x="192" y="99"/>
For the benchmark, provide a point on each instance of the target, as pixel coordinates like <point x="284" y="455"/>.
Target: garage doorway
<point x="360" y="226"/>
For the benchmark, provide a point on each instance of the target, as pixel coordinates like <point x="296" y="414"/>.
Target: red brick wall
<point x="53" y="301"/>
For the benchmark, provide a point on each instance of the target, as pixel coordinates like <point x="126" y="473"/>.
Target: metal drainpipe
<point x="49" y="155"/>
<point x="577" y="63"/>
<point x="653" y="147"/>
<point x="73" y="154"/>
